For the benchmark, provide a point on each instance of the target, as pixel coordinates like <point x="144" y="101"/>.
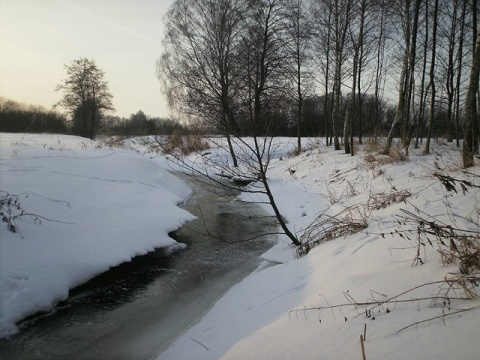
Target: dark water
<point x="136" y="310"/>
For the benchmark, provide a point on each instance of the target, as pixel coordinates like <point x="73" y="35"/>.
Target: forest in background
<point x="396" y="68"/>
<point x="20" y="117"/>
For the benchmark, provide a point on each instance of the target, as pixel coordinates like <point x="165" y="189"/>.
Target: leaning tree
<point x="226" y="60"/>
<point x="85" y="95"/>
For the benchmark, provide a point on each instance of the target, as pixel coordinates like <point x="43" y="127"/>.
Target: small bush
<point x="396" y="154"/>
<point x="10" y="210"/>
<point x="382" y="200"/>
<point x="374" y="158"/>
<point x="374" y="146"/>
<point x="325" y="228"/>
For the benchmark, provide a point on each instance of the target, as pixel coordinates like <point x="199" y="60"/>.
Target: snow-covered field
<point x="114" y="203"/>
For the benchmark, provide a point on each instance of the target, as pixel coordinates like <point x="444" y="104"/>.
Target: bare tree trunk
<point x="450" y="74"/>
<point x="271" y="199"/>
<point x="232" y="152"/>
<point x="327" y="74"/>
<point x="336" y="105"/>
<point x="404" y="80"/>
<point x="325" y="109"/>
<point x="336" y="77"/>
<point x="475" y="46"/>
<point x="421" y="111"/>
<point x="85" y="120"/>
<point x="379" y="70"/>
<point x="348" y="125"/>
<point x="471" y="108"/>
<point x="459" y="74"/>
<point x="261" y="73"/>
<point x="298" y="33"/>
<point x="401" y="103"/>
<point x="432" y="79"/>
<point x="331" y="115"/>
<point x="299" y="100"/>
<point x="409" y="122"/>
<point x="358" y="75"/>
<point x="359" y="94"/>
<point x="342" y="15"/>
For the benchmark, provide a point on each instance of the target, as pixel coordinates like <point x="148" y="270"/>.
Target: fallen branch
<point x="198" y="342"/>
<point x="11" y="210"/>
<point x="368" y="307"/>
<point x="437" y="317"/>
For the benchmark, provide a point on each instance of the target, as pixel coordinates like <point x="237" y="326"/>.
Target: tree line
<point x="20" y="117"/>
<point x="338" y="68"/>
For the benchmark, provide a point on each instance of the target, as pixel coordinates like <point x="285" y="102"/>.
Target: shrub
<point x="183" y="145"/>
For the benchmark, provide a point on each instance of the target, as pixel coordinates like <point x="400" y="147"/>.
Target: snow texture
<point x="254" y="320"/>
<point x="105" y="206"/>
<point x="112" y="204"/>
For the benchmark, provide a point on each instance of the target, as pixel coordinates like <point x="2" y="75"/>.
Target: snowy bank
<point x="92" y="208"/>
<point x="318" y="305"/>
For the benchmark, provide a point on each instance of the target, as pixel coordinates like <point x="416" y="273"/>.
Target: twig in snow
<point x="198" y="342"/>
<point x="437" y="317"/>
<point x="362" y="341"/>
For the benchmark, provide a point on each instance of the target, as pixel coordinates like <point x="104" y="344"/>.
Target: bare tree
<point x="264" y="67"/>
<point x="223" y="59"/>
<point x="471" y="116"/>
<point x="299" y="32"/>
<point x="459" y="72"/>
<point x="367" y="42"/>
<point x="199" y="65"/>
<point x="405" y="13"/>
<point x="423" y="91"/>
<point x="450" y="34"/>
<point x="358" y="49"/>
<point x="431" y="84"/>
<point x="342" y="12"/>
<point x="380" y="65"/>
<point x="322" y="25"/>
<point x="86" y="95"/>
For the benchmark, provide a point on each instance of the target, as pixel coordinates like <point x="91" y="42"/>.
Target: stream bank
<point x="136" y="310"/>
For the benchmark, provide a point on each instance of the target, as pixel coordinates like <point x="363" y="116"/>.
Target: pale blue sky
<point x="37" y="37"/>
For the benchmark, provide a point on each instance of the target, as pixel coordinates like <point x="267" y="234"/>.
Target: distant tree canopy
<point x="86" y="96"/>
<point x="19" y="117"/>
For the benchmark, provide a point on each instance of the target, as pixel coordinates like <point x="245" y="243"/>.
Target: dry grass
<point x="374" y="158"/>
<point x="374" y="146"/>
<point x="382" y="200"/>
<point x="182" y="145"/>
<point x="111" y="141"/>
<point x="325" y="228"/>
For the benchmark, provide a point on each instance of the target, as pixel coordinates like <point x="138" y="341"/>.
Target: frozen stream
<point x="138" y="309"/>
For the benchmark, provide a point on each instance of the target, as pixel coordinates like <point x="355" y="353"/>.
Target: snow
<point x="257" y="318"/>
<point x="116" y="203"/>
<point x="106" y="206"/>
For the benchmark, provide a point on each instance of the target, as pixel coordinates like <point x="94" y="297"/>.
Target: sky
<point x="123" y="37"/>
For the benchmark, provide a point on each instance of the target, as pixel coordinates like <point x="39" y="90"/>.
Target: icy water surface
<point x="136" y="310"/>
